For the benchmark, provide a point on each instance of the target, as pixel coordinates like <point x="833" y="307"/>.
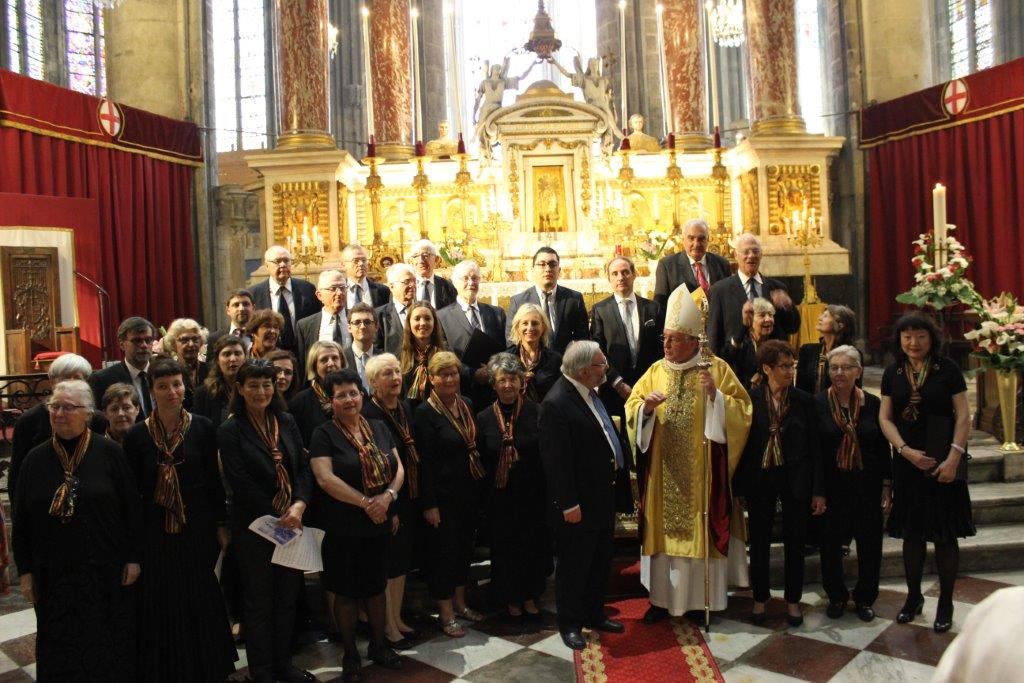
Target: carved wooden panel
<point x="31" y="286"/>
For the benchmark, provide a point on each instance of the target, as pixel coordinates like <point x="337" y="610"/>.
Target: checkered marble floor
<point x="495" y="650"/>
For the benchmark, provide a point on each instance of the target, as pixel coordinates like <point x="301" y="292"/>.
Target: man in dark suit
<point x="430" y="286"/>
<point x="627" y="328"/>
<point x="694" y="266"/>
<point x="239" y="308"/>
<point x="329" y="323"/>
<point x="567" y="314"/>
<point x="730" y="296"/>
<point x="294" y="299"/>
<point x="391" y="316"/>
<point x="475" y="332"/>
<point x="581" y="453"/>
<point x="362" y="328"/>
<point x="135" y="336"/>
<point x="356" y="262"/>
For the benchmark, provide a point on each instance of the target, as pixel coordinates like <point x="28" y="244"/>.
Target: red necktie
<point x="701" y="280"/>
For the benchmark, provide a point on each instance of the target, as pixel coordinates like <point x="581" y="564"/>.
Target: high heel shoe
<point x="943" y="619"/>
<point x="911" y="608"/>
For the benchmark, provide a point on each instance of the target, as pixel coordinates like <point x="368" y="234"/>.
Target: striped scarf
<point x="848" y="457"/>
<point x="375" y="466"/>
<point x="418" y="385"/>
<point x="321" y="395"/>
<point x="462" y="421"/>
<point x="270" y="436"/>
<point x="63" y="504"/>
<point x="167" y="493"/>
<point x="773" y="450"/>
<point x="508" y="455"/>
<point x="399" y="422"/>
<point x="916" y="380"/>
<point x="529" y="389"/>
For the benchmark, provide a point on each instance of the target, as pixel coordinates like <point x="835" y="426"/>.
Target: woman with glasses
<point x="531" y="334"/>
<point x="285" y="363"/>
<point x="183" y="342"/>
<point x="837" y="326"/>
<point x="779" y="462"/>
<point x="120" y="406"/>
<point x="183" y="627"/>
<point x="857" y="463"/>
<point x="265" y="329"/>
<point x="214" y="396"/>
<point x="421" y="339"/>
<point x="741" y="353"/>
<point x="311" y="407"/>
<point x="77" y="542"/>
<point x="451" y="474"/>
<point x="267" y="471"/>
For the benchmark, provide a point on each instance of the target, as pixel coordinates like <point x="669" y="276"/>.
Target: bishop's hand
<point x="708" y="382"/>
<point x="652" y="401"/>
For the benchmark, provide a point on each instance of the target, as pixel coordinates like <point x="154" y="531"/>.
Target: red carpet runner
<point x="671" y="650"/>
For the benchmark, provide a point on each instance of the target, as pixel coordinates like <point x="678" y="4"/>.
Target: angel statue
<point x="489" y="96"/>
<point x="597" y="92"/>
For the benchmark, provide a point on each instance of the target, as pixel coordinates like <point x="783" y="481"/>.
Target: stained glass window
<point x="14" y="36"/>
<point x="970" y="36"/>
<point x="239" y="72"/>
<point x="32" y="34"/>
<point x="83" y="25"/>
<point x="82" y="68"/>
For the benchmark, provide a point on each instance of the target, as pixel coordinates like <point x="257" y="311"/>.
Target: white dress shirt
<point x="364" y="292"/>
<point x="554" y="309"/>
<point x="327" y="327"/>
<point x="275" y="297"/>
<point x="362" y="356"/>
<point x="588" y="399"/>
<point x="636" y="314"/>
<point x="137" y="383"/>
<point x="432" y="289"/>
<point x="757" y="278"/>
<point x="400" y="309"/>
<point x="466" y="307"/>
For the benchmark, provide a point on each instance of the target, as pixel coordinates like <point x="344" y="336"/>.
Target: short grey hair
<point x="175" y="329"/>
<point x="330" y="273"/>
<point x="846" y="350"/>
<point x="77" y="390"/>
<point x="347" y="251"/>
<point x="63" y="367"/>
<point x="423" y="244"/>
<point x="747" y="237"/>
<point x="578" y="356"/>
<point x="698" y="223"/>
<point x="762" y="305"/>
<point x="274" y="252"/>
<point x="461" y="268"/>
<point x="504" y="362"/>
<point x="376" y="364"/>
<point x="396" y="270"/>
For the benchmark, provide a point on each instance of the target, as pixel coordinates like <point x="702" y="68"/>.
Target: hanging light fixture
<point x="726" y="20"/>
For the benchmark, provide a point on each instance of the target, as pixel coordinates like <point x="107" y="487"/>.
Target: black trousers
<point x="854" y="504"/>
<point x="761" y="513"/>
<point x="271" y="592"/>
<point x="584" y="558"/>
<point x="451" y="546"/>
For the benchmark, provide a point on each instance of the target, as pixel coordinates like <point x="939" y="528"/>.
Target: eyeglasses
<point x="190" y="340"/>
<point x="423" y="256"/>
<point x="599" y="365"/>
<point x="283" y="261"/>
<point x="545" y="264"/>
<point x="141" y="341"/>
<point x="259" y="363"/>
<point x="334" y="288"/>
<point x="56" y="408"/>
<point x="360" y="259"/>
<point x="362" y="322"/>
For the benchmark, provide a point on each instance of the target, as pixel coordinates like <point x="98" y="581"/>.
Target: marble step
<point x="997" y="502"/>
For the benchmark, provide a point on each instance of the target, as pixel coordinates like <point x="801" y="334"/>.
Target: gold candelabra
<point x="674" y="175"/>
<point x="307" y="247"/>
<point x="721" y="177"/>
<point x="803" y="229"/>
<point x="463" y="179"/>
<point x="420" y="183"/>
<point x="374" y="186"/>
<point x="626" y="174"/>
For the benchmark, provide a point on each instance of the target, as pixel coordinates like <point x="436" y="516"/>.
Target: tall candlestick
<point x="939" y="224"/>
<point x="709" y="41"/>
<point x="453" y="63"/>
<point x="417" y="102"/>
<point x="622" y="61"/>
<point x="367" y="76"/>
<point x="666" y="107"/>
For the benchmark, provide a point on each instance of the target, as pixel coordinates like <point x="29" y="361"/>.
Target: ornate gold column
<point x="684" y="64"/>
<point x="392" y="82"/>
<point x="771" y="46"/>
<point x="301" y="61"/>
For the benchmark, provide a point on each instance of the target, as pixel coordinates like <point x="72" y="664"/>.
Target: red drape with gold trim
<point x="978" y="154"/>
<point x="51" y="143"/>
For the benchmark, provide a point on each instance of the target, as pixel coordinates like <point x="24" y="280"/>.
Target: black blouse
<point x="213" y="408"/>
<point x="943" y="382"/>
<point x="344" y="519"/>
<point x="528" y="472"/>
<point x="308" y="414"/>
<point x="876" y="453"/>
<point x="107" y="525"/>
<point x="444" y="458"/>
<point x="547" y="372"/>
<point x="807" y="368"/>
<point x="372" y="412"/>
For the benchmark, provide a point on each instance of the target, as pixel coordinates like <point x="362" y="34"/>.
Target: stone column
<point x="391" y="42"/>
<point x="684" y="65"/>
<point x="301" y="70"/>
<point x="771" y="47"/>
<point x="145" y="51"/>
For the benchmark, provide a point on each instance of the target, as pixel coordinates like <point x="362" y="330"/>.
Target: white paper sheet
<point x="302" y="553"/>
<point x="266" y="526"/>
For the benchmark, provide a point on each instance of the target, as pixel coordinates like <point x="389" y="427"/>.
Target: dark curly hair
<point x="916" y="320"/>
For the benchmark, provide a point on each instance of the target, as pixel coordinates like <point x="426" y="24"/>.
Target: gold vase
<point x="1006" y="385"/>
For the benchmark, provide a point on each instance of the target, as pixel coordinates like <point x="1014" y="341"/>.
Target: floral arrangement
<point x="999" y="341"/>
<point x="939" y="287"/>
<point x="453" y="251"/>
<point x="655" y="245"/>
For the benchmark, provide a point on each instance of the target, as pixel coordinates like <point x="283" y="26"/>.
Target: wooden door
<point x="31" y="290"/>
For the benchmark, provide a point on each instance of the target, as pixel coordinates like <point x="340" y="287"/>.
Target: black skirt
<point x="400" y="548"/>
<point x="925" y="510"/>
<point x="355" y="567"/>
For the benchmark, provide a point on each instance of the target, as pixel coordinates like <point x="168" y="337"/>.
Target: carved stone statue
<point x="597" y="92"/>
<point x="489" y="96"/>
<point x="639" y="141"/>
<point x="443" y="146"/>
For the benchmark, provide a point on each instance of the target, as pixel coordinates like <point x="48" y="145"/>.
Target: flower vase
<point x="1006" y="386"/>
<point x="652" y="266"/>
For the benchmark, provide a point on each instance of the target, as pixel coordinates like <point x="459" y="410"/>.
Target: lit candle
<point x="415" y="14"/>
<point x="367" y="76"/>
<point x="939" y="223"/>
<point x="453" y="63"/>
<point x="622" y="60"/>
<point x="713" y="71"/>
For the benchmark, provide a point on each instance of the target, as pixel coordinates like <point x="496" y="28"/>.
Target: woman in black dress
<point x="311" y="407"/>
<point x="924" y="403"/>
<point x="264" y="464"/>
<point x="183" y="628"/>
<point x="421" y="339"/>
<point x="78" y="542"/>
<point x="837" y="326"/>
<point x="450" y="482"/>
<point x="120" y="407"/>
<point x="384" y="374"/>
<point x="530" y="334"/>
<point x="286" y="364"/>
<point x="780" y="461"/>
<point x="507" y="435"/>
<point x="214" y="396"/>
<point x="265" y="329"/>
<point x="359" y="475"/>
<point x="857" y="463"/>
<point x="741" y="354"/>
<point x="183" y="342"/>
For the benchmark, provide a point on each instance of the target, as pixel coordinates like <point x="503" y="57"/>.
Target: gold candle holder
<point x="721" y="177"/>
<point x="805" y="233"/>
<point x="674" y="176"/>
<point x="463" y="180"/>
<point x="420" y="183"/>
<point x="374" y="186"/>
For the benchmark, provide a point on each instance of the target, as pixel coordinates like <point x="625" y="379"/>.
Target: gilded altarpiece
<point x="296" y="204"/>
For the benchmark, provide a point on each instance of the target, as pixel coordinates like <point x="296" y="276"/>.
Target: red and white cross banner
<point x="955" y="97"/>
<point x="110" y="118"/>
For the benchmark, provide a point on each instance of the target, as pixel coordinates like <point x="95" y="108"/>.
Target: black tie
<point x="338" y="338"/>
<point x="147" y="400"/>
<point x="752" y="287"/>
<point x="474" y="319"/>
<point x="425" y="292"/>
<point x="287" y="332"/>
<point x="358" y="292"/>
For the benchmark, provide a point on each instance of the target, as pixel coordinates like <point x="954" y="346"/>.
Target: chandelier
<point x="726" y="20"/>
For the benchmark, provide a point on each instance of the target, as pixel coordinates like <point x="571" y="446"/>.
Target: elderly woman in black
<point x="780" y="461"/>
<point x="926" y="418"/>
<point x="184" y="340"/>
<point x="384" y="375"/>
<point x="741" y="353"/>
<point x="421" y="339"/>
<point x="530" y="334"/>
<point x="77" y="543"/>
<point x="507" y="435"/>
<point x="837" y="326"/>
<point x="183" y="628"/>
<point x="214" y="396"/>
<point x="264" y="464"/>
<point x="120" y="406"/>
<point x="857" y="464"/>
<point x="311" y="407"/>
<point x="359" y="474"/>
<point x="450" y="480"/>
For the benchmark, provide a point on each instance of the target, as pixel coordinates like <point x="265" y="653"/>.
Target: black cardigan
<point x="876" y="453"/>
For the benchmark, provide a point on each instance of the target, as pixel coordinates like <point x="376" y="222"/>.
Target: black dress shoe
<point x="384" y="655"/>
<point x="293" y="674"/>
<point x="399" y="644"/>
<point x="943" y="619"/>
<point x="835" y="610"/>
<point x="608" y="626"/>
<point x="795" y="621"/>
<point x="573" y="640"/>
<point x="758" y="618"/>
<point x="351" y="669"/>
<point x="865" y="613"/>
<point x="654" y="614"/>
<point x="911" y="608"/>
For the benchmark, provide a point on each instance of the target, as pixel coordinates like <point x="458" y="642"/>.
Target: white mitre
<point x="683" y="315"/>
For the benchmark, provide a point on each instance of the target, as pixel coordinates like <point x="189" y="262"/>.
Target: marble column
<point x="771" y="49"/>
<point x="301" y="69"/>
<point x="686" y="75"/>
<point x="390" y="43"/>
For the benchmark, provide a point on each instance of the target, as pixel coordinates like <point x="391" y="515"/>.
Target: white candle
<point x="622" y="61"/>
<point x="367" y="75"/>
<point x="453" y="63"/>
<point x="939" y="223"/>
<point x="666" y="109"/>
<point x="712" y="67"/>
<point x="418" y="104"/>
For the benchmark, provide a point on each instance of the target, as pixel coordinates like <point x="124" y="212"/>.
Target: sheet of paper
<point x="266" y="526"/>
<point x="217" y="568"/>
<point x="303" y="553"/>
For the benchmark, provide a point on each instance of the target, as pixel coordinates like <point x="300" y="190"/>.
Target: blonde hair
<point x="314" y="353"/>
<point x="522" y="312"/>
<point x="441" y="361"/>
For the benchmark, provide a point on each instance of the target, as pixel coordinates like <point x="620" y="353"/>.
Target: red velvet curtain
<point x="144" y="199"/>
<point x="981" y="163"/>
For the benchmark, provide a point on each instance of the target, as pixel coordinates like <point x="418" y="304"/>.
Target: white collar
<point x="356" y="351"/>
<point x="702" y="262"/>
<point x="465" y="305"/>
<point x="584" y="391"/>
<point x="362" y="283"/>
<point x="744" y="279"/>
<point x="619" y="299"/>
<point x="274" y="286"/>
<point x="327" y="315"/>
<point x="540" y="293"/>
<point x="429" y="279"/>
<point x="135" y="372"/>
<point x="679" y="367"/>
